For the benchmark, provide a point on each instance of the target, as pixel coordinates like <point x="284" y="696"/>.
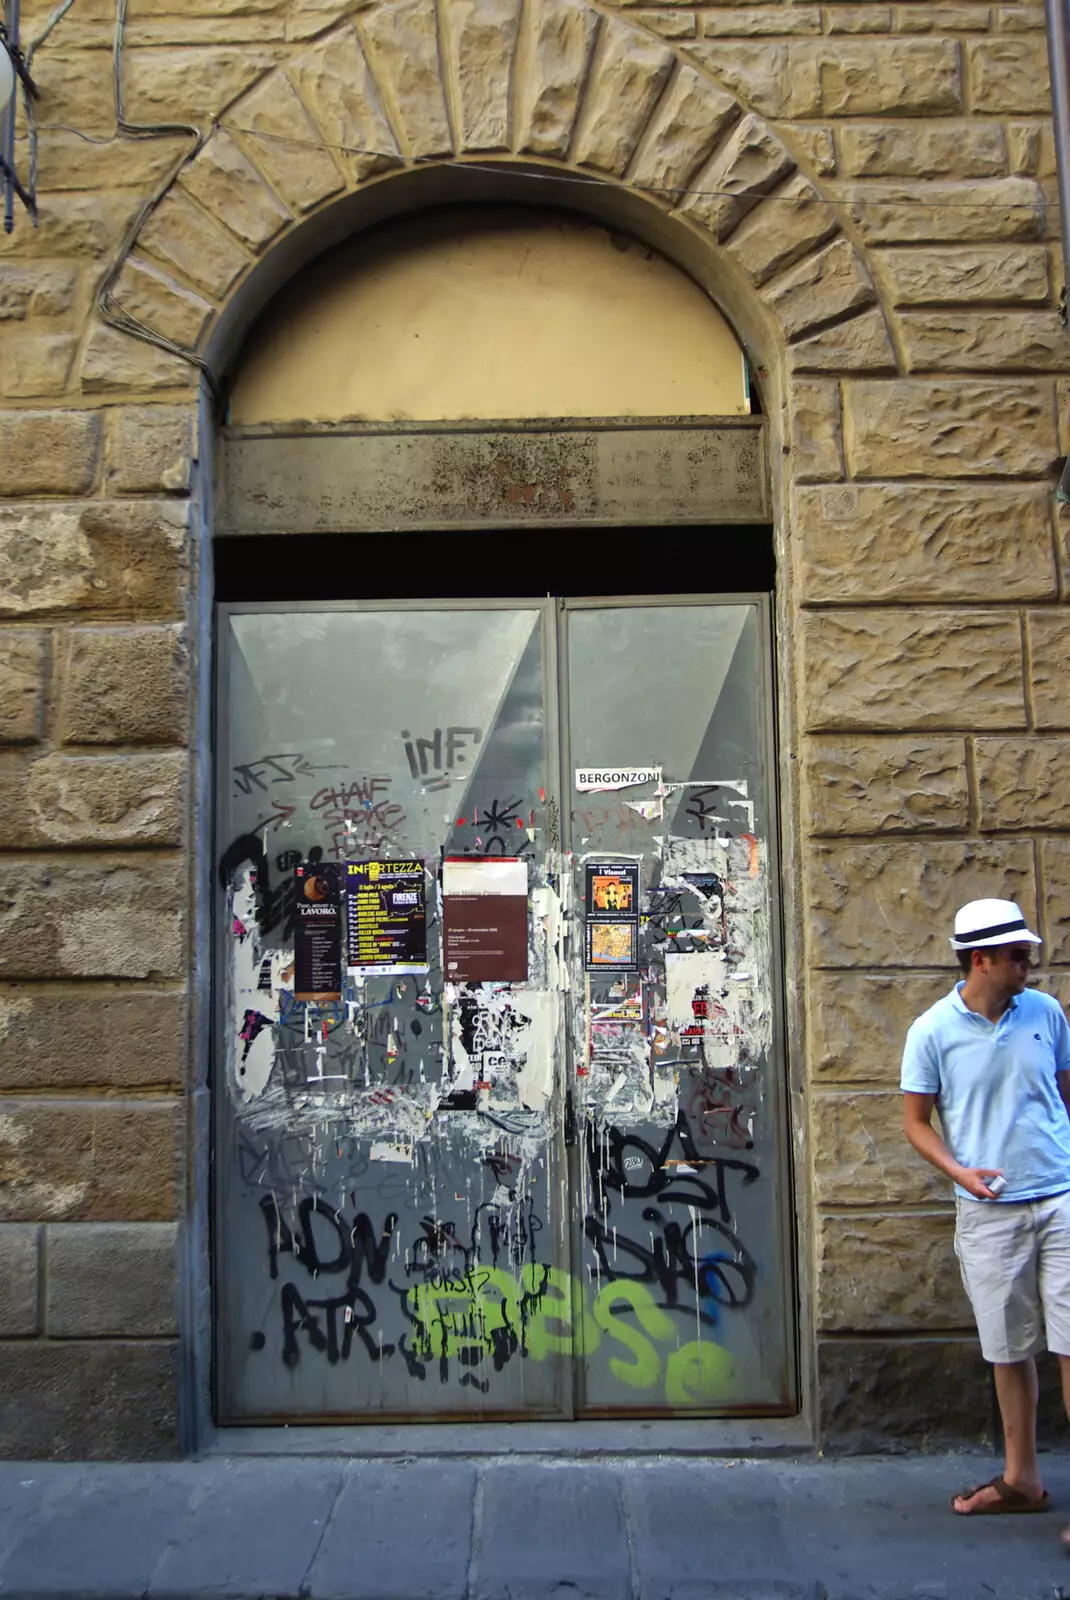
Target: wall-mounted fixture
<point x="13" y="71"/>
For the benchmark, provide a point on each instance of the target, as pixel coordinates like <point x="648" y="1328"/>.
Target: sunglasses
<point x="1021" y="958"/>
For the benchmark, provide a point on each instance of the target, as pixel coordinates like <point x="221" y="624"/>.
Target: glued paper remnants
<point x="485" y="920"/>
<point x="598" y="780"/>
<point x="611" y="942"/>
<point x="386" y="916"/>
<point x="317" y="931"/>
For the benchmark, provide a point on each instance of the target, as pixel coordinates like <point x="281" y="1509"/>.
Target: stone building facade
<point x="868" y="193"/>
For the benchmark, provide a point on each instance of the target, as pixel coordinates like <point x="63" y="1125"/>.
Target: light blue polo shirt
<point x="995" y="1088"/>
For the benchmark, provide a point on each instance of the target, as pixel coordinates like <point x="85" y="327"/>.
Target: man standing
<point x="993" y="1058"/>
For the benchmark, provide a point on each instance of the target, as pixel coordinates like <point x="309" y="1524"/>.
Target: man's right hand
<point x="972" y="1179"/>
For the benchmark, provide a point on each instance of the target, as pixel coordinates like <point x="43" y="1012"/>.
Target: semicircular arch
<point x="408" y="103"/>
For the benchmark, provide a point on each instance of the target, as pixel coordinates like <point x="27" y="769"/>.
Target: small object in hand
<point x="996" y="1185"/>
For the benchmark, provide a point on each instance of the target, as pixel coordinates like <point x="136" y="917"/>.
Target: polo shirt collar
<point x="960" y="1004"/>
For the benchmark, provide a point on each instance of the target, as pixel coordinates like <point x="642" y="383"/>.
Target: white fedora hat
<point x="988" y="922"/>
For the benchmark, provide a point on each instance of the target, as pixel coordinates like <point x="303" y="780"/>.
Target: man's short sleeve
<point x="920" y="1072"/>
<point x="1061" y="1039"/>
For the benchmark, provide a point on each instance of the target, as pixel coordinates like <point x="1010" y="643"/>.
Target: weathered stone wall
<point x="870" y="189"/>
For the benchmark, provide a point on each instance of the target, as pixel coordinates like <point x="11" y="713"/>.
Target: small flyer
<point x="485" y="919"/>
<point x="611" y="941"/>
<point x="386" y="916"/>
<point x="318" y="931"/>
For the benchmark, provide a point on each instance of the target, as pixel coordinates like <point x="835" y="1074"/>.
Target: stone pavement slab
<point x="253" y="1527"/>
<point x="399" y="1531"/>
<point x="557" y="1535"/>
<point x="522" y="1528"/>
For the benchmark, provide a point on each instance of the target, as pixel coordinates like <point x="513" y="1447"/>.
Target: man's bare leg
<point x="1016" y="1391"/>
<point x="1064" y="1372"/>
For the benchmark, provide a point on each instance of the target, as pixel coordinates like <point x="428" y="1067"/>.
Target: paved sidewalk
<point x="523" y="1529"/>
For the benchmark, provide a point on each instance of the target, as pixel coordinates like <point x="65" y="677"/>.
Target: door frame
<point x="554" y="616"/>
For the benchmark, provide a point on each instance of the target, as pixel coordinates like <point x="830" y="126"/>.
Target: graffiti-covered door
<point x="683" y="1269"/>
<point x="497" y="1093"/>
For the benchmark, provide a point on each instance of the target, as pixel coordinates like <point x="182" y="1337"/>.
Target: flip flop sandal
<point x="1011" y="1501"/>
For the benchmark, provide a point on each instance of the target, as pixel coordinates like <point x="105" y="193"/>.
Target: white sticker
<point x="593" y="780"/>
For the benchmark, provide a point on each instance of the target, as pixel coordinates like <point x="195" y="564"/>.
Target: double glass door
<point x="499" y="1089"/>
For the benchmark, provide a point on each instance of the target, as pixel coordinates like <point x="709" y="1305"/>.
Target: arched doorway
<point x="499" y="1082"/>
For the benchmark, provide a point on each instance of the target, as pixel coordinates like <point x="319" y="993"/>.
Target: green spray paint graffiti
<point x="488" y="1315"/>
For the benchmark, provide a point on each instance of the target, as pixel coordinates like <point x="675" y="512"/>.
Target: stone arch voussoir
<point x="407" y="82"/>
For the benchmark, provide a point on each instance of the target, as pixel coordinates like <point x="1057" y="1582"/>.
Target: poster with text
<point x="485" y="919"/>
<point x="386" y="916"/>
<point x="318" y="931"/>
<point x="611" y="942"/>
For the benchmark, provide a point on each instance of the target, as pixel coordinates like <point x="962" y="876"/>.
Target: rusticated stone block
<point x="101" y="555"/>
<point x="816" y="431"/>
<point x="401" y="43"/>
<point x="98" y="801"/>
<point x="670" y="23"/>
<point x="858" y="786"/>
<point x="889" y="1274"/>
<point x="48" y="452"/>
<point x="997" y="275"/>
<point x="232" y="190"/>
<point x="335" y="81"/>
<point x="180" y="236"/>
<point x="36" y="366"/>
<point x="84" y="1038"/>
<point x="192" y="82"/>
<point x="562" y="37"/>
<point x="73" y="228"/>
<point x="860" y="345"/>
<point x="787" y="225"/>
<point x="942" y="149"/>
<point x="837" y="78"/>
<point x="871" y="1393"/>
<point x="111" y="1279"/>
<point x="762" y="74"/>
<point x="859" y="77"/>
<point x="155" y="300"/>
<point x="949" y="429"/>
<point x="627" y="76"/>
<point x="23" y="663"/>
<point x="124" y="686"/>
<point x="749" y="164"/>
<point x="40" y="291"/>
<point x="1009" y="74"/>
<point x="117" y="363"/>
<point x="972" y="211"/>
<point x="825" y="285"/>
<point x="888" y="670"/>
<point x="861" y="1155"/>
<point x="1049" y="635"/>
<point x="817" y="147"/>
<point x="925" y="542"/>
<point x="1023" y="783"/>
<point x="960" y="17"/>
<point x="984" y="341"/>
<point x="893" y="903"/>
<point x="87" y="1161"/>
<point x="19" y="1256"/>
<point x="97" y="1401"/>
<point x="482" y="38"/>
<point x="691" y="118"/>
<point x="83" y="918"/>
<point x="1055" y="909"/>
<point x="150" y="449"/>
<point x="281" y="138"/>
<point x="749" y="22"/>
<point x="857" y="1022"/>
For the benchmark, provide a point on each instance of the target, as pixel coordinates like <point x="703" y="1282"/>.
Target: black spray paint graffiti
<point x="686" y="1242"/>
<point x="435" y="759"/>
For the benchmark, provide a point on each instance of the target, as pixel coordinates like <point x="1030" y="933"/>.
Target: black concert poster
<point x="318" y="931"/>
